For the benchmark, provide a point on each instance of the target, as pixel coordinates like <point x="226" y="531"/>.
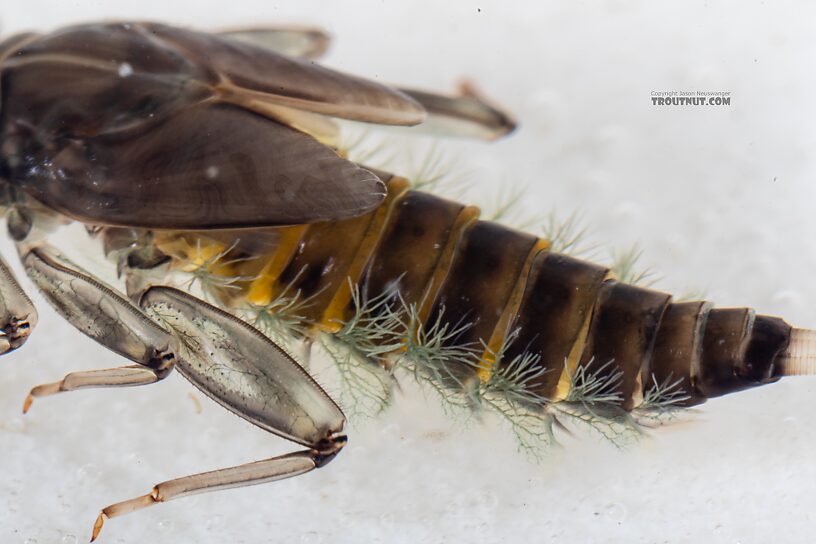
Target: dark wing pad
<point x="292" y="82"/>
<point x="208" y="166"/>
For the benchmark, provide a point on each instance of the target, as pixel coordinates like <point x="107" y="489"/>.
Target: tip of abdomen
<point x="799" y="358"/>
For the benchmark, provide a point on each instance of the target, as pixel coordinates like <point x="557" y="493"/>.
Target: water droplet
<point x="489" y="501"/>
<point x="615" y="511"/>
<point x="125" y="70"/>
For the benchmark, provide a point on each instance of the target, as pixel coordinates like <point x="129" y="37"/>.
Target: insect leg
<point x="258" y="472"/>
<point x="124" y="376"/>
<point x="17" y="314"/>
<point x="247" y="373"/>
<point x="105" y="316"/>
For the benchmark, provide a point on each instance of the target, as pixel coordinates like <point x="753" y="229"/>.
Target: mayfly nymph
<point x="215" y="157"/>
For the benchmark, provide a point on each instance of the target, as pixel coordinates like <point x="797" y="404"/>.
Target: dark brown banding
<point x="725" y="342"/>
<point x="414" y="239"/>
<point x="481" y="280"/>
<point x="558" y="299"/>
<point x="319" y="267"/>
<point x="678" y="348"/>
<point x="623" y="330"/>
<point x="769" y="338"/>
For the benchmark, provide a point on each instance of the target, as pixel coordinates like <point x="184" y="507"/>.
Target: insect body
<point x="173" y="139"/>
<point x="505" y="298"/>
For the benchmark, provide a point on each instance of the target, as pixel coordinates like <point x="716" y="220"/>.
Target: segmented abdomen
<point x="452" y="267"/>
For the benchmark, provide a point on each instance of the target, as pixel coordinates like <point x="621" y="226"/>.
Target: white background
<point x="720" y="199"/>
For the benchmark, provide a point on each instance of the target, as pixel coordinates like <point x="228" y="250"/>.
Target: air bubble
<point x="615" y="512"/>
<point x="489" y="501"/>
<point x="125" y="70"/>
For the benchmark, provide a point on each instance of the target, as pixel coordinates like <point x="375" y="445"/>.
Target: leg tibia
<point x="267" y="470"/>
<point x="126" y="376"/>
